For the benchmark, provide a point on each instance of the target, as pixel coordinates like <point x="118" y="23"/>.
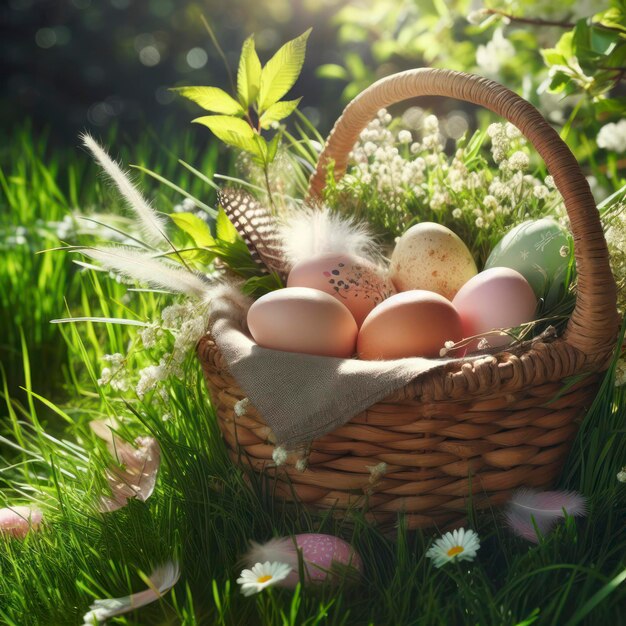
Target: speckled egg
<point x="540" y="250"/>
<point x="430" y="256"/>
<point x="354" y="281"/>
<point x="324" y="556"/>
<point x="299" y="319"/>
<point x="411" y="323"/>
<point x="496" y="298"/>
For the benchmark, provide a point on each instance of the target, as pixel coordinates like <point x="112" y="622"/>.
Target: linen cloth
<point x="300" y="396"/>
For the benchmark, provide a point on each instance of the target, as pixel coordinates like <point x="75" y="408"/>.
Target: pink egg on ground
<point x="407" y="324"/>
<point x="17" y="521"/>
<point x="496" y="298"/>
<point x="354" y="281"/>
<point x="299" y="319"/>
<point x="325" y="558"/>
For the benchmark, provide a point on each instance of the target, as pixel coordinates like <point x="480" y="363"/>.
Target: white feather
<point x="312" y="231"/>
<point x="151" y="223"/>
<point x="143" y="267"/>
<point x="277" y="550"/>
<point x="162" y="579"/>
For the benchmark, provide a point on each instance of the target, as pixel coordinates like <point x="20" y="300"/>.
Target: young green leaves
<point x="239" y="122"/>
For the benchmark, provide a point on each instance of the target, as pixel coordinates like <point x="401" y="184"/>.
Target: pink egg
<point x="299" y="319"/>
<point x="411" y="323"/>
<point x="496" y="298"/>
<point x="323" y="557"/>
<point x="17" y="521"/>
<point x="354" y="281"/>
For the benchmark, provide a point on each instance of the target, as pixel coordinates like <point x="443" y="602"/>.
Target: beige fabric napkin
<point x="301" y="396"/>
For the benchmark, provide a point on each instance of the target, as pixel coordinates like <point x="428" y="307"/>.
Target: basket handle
<point x="592" y="328"/>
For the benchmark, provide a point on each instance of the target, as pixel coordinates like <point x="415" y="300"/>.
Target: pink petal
<point x="17" y="521"/>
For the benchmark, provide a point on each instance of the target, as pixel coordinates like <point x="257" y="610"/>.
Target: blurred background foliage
<point x="85" y="64"/>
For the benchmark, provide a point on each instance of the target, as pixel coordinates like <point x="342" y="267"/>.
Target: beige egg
<point x="299" y="319"/>
<point x="354" y="281"/>
<point x="430" y="256"/>
<point x="411" y="323"/>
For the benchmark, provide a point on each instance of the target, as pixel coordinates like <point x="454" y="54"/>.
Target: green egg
<point x="540" y="250"/>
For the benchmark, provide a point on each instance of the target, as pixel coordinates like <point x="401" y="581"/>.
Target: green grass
<point x="204" y="511"/>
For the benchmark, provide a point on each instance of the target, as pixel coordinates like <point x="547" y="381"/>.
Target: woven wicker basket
<point x="482" y="428"/>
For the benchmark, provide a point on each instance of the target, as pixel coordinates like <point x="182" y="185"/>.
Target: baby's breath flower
<point x="457" y="214"/>
<point x="480" y="222"/>
<point x="519" y="160"/>
<point x="279" y="455"/>
<point x="241" y="407"/>
<point x="541" y="192"/>
<point x="549" y="181"/>
<point x="621" y="475"/>
<point x="404" y="136"/>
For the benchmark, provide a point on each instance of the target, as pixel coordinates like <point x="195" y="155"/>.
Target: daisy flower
<point x="262" y="575"/>
<point x="459" y="545"/>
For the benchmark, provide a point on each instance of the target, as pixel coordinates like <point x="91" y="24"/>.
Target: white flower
<point x="491" y="57"/>
<point x="431" y="125"/>
<point x="279" y="455"/>
<point x="241" y="406"/>
<point x="262" y="575"/>
<point x="613" y="136"/>
<point x="621" y="475"/>
<point x="460" y="545"/>
<point x="519" y="160"/>
<point x="404" y="136"/>
<point x="477" y="17"/>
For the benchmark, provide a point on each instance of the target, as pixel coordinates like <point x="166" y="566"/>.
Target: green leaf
<point x="212" y="99"/>
<point x="258" y="286"/>
<point x="224" y="228"/>
<point x="232" y="131"/>
<point x="248" y="74"/>
<point x="195" y="227"/>
<point x="272" y="148"/>
<point x="281" y="71"/>
<point x="552" y="57"/>
<point x="332" y="71"/>
<point x="278" y="111"/>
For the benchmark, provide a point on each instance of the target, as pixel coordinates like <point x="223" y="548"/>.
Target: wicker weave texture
<point x="477" y="429"/>
<point x="435" y="452"/>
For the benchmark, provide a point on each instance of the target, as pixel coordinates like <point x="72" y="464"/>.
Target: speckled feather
<point x="257" y="226"/>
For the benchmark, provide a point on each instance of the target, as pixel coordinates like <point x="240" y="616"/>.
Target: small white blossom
<point x="241" y="406"/>
<point x="262" y="575"/>
<point x="279" y="455"/>
<point x="621" y="475"/>
<point x="404" y="136"/>
<point x="492" y="56"/>
<point x="519" y="160"/>
<point x="459" y="545"/>
<point x="477" y="17"/>
<point x="612" y="136"/>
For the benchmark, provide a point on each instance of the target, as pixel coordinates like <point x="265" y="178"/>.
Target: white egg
<point x="430" y="256"/>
